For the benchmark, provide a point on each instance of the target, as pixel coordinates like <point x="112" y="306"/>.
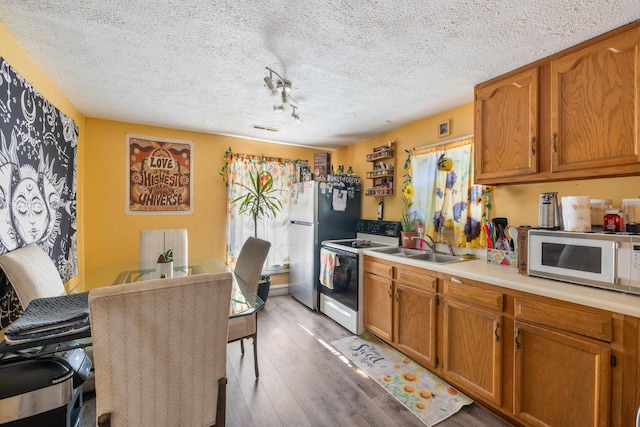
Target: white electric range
<point x="343" y="303"/>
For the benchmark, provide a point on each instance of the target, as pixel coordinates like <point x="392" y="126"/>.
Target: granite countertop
<point x="508" y="277"/>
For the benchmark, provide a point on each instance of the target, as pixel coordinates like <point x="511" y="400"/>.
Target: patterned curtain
<point x="447" y="202"/>
<point x="241" y="227"/>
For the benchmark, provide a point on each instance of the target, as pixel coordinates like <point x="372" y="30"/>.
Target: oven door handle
<point x="338" y="252"/>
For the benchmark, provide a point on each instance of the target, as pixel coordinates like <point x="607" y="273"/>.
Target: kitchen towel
<point x="327" y="267"/>
<point x="576" y="213"/>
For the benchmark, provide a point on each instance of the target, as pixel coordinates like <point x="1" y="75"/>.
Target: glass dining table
<point x="243" y="302"/>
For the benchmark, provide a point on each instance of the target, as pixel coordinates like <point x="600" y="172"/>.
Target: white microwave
<point x="609" y="261"/>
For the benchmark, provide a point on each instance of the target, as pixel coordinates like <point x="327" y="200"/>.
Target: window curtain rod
<point x="448" y="141"/>
<point x="263" y="158"/>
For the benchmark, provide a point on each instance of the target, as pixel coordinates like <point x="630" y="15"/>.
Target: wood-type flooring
<point x="304" y="381"/>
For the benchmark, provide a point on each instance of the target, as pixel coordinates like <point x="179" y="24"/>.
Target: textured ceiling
<point x="357" y="68"/>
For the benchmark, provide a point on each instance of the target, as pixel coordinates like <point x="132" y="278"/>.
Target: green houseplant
<point x="259" y="201"/>
<point x="164" y="265"/>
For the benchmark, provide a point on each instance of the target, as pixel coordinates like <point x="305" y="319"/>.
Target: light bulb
<point x="269" y="83"/>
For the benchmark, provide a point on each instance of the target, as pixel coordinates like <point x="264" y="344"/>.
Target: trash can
<point x="42" y="391"/>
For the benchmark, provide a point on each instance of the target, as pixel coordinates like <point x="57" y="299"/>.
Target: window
<point x="447" y="202"/>
<point x="241" y="226"/>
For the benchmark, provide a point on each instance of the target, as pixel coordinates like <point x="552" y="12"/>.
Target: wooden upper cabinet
<point x="506" y="127"/>
<point x="595" y="105"/>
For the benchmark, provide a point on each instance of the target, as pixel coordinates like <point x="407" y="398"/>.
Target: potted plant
<point x="164" y="265"/>
<point x="408" y="220"/>
<point x="259" y="201"/>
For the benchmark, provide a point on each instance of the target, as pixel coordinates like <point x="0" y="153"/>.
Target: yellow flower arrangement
<point x="407" y="221"/>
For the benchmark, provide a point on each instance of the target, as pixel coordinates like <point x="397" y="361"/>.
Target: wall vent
<point x="268" y="129"/>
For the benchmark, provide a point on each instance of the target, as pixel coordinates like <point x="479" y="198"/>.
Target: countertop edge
<point x="508" y="277"/>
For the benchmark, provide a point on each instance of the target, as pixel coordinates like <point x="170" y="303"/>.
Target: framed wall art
<point x="443" y="129"/>
<point x="159" y="176"/>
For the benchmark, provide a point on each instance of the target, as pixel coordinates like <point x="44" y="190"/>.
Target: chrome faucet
<point x="430" y="243"/>
<point x="448" y="243"/>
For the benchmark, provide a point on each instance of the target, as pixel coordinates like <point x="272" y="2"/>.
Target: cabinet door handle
<point x="396" y="294"/>
<point x="555" y="138"/>
<point x="533" y="145"/>
<point x="517" y="335"/>
<point x="495" y="331"/>
<point x="389" y="291"/>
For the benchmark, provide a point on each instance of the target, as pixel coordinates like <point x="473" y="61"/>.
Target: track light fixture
<point x="294" y="114"/>
<point x="283" y="86"/>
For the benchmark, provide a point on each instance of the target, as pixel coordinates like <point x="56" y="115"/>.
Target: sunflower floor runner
<point x="425" y="395"/>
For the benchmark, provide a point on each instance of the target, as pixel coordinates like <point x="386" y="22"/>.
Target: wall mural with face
<point x="38" y="147"/>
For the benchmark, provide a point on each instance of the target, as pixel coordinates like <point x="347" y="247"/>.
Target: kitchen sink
<point x="400" y="251"/>
<point x="435" y="257"/>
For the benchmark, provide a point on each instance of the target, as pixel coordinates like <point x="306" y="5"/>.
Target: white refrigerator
<point x="316" y="217"/>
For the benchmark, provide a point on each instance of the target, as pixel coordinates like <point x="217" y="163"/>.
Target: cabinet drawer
<point x="582" y="321"/>
<point x="417" y="279"/>
<point x="378" y="268"/>
<point x="480" y="297"/>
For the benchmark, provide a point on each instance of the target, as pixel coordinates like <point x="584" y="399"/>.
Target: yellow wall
<point x="112" y="236"/>
<point x="420" y="133"/>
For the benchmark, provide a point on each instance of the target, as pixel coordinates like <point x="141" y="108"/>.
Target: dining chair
<point x="155" y="242"/>
<point x="248" y="270"/>
<point x="32" y="274"/>
<point x="160" y="348"/>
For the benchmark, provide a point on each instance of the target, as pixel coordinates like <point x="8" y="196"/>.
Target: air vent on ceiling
<point x="268" y="129"/>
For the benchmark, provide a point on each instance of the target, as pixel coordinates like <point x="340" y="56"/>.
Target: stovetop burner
<point x="369" y="234"/>
<point x="360" y="243"/>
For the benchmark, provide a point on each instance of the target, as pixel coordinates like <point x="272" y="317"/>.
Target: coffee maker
<point x="549" y="212"/>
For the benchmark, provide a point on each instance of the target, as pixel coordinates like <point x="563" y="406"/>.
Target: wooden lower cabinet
<point x="560" y="380"/>
<point x="400" y="308"/>
<point x="378" y="305"/>
<point x="472" y="349"/>
<point x="414" y="324"/>
<point x="537" y="360"/>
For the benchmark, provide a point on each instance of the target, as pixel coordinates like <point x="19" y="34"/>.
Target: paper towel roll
<point x="576" y="213"/>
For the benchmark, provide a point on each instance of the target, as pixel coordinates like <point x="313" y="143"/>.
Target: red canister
<point x="612" y="220"/>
